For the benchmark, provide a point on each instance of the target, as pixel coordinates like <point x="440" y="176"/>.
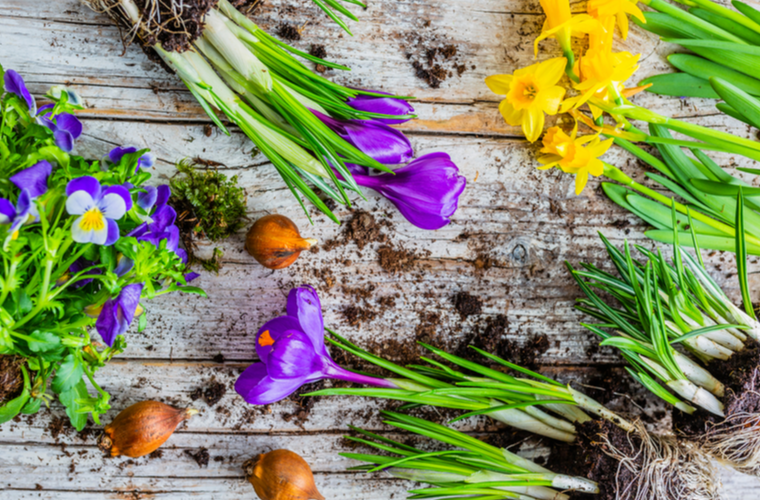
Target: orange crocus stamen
<point x="265" y="339"/>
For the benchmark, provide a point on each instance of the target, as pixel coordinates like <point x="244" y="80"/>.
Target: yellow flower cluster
<point x="531" y="93"/>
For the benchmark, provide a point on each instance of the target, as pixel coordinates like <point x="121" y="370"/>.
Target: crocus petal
<point x="63" y="140"/>
<point x="147" y="199"/>
<point x="426" y="191"/>
<point x="112" y="234"/>
<point x="34" y="178"/>
<point x="79" y="202"/>
<point x="293" y="358"/>
<point x="257" y="388"/>
<point x="7" y="211"/>
<point x="383" y="106"/>
<point x="116" y="202"/>
<point x="88" y="184"/>
<point x="376" y="140"/>
<point x="271" y="331"/>
<point x="304" y="305"/>
<point x="15" y="84"/>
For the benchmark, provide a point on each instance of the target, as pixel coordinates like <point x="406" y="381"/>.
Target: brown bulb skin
<point x="281" y="475"/>
<point x="142" y="428"/>
<point x="274" y="241"/>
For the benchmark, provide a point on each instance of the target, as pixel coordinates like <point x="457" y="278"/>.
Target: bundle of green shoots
<point x="672" y="319"/>
<point x="230" y="64"/>
<point x="709" y="207"/>
<point x="726" y="59"/>
<point x="657" y="462"/>
<point x="471" y="468"/>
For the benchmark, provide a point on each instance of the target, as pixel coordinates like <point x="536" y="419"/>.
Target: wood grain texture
<point x="523" y="222"/>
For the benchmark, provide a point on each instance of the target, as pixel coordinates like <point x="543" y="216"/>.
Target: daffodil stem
<point x="615" y="174"/>
<point x="570" y="56"/>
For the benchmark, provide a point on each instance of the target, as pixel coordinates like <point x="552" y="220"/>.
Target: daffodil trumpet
<point x="690" y="310"/>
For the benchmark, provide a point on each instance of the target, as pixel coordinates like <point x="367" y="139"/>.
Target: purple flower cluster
<point x="292" y="352"/>
<point x="32" y="182"/>
<point x="427" y="190"/>
<point x="66" y="127"/>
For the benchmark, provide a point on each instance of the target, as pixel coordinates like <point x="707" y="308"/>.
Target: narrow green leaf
<point x="702" y="331"/>
<point x="723" y="189"/>
<point x="741" y="256"/>
<point x="702" y="68"/>
<point x="724" y="244"/>
<point x="741" y="48"/>
<point x="741" y="101"/>
<point x="679" y="85"/>
<point x="727" y="24"/>
<point x="747" y="10"/>
<point x="728" y="110"/>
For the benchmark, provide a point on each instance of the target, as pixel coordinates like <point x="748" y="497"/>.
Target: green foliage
<point x="209" y="205"/>
<point x="44" y="298"/>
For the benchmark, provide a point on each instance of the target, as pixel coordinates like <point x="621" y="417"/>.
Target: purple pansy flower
<point x="154" y="198"/>
<point x="15" y="85"/>
<point x="426" y="191"/>
<point x="80" y="265"/>
<point x="33" y="179"/>
<point x="145" y="161"/>
<point x="98" y="210"/>
<point x="383" y="106"/>
<point x="292" y="353"/>
<point x="16" y="216"/>
<point x="66" y="128"/>
<point x="377" y="140"/>
<point x="117" y="314"/>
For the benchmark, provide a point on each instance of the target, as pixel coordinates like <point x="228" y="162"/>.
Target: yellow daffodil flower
<point x="617" y="9"/>
<point x="530" y="92"/>
<point x="602" y="72"/>
<point x="562" y="25"/>
<point x="573" y="154"/>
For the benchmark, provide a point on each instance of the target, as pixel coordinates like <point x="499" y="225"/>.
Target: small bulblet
<point x="281" y="475"/>
<point x="274" y="241"/>
<point x="142" y="428"/>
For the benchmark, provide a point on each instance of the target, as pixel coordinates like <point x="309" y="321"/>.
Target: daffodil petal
<point x="549" y="72"/>
<point x="499" y="84"/>
<point x="511" y="115"/>
<point x="581" y="178"/>
<point x="551" y="99"/>
<point x="532" y="123"/>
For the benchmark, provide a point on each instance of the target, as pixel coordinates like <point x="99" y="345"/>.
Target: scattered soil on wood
<point x="11" y="377"/>
<point x="362" y="228"/>
<point x="432" y="56"/>
<point x="201" y="456"/>
<point x="212" y="393"/>
<point x="741" y="376"/>
<point x="57" y="426"/>
<point x="587" y="458"/>
<point x="397" y="260"/>
<point x="304" y="404"/>
<point x="318" y="51"/>
<point x="467" y="304"/>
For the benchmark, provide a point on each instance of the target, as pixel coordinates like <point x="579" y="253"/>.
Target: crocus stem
<point x="349" y="376"/>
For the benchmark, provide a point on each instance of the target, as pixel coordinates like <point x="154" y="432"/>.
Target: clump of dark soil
<point x="318" y="51"/>
<point x="212" y="393"/>
<point x="174" y="29"/>
<point x="396" y="260"/>
<point x="201" y="456"/>
<point x="467" y="304"/>
<point x="57" y="426"/>
<point x="433" y="57"/>
<point x="362" y="229"/>
<point x="740" y="374"/>
<point x="489" y="336"/>
<point x="587" y="458"/>
<point x="289" y="32"/>
<point x="304" y="404"/>
<point x="11" y="377"/>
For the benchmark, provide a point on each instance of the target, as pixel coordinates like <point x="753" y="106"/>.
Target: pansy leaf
<point x="43" y="341"/>
<point x="69" y="398"/>
<point x="68" y="373"/>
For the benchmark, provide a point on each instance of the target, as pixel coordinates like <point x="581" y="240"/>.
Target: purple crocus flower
<point x="15" y="216"/>
<point x="66" y="128"/>
<point x="383" y="106"/>
<point x="15" y="85"/>
<point x="98" y="210"/>
<point x="117" y="314"/>
<point x="145" y="161"/>
<point x="426" y="191"/>
<point x="293" y="353"/>
<point x="377" y="140"/>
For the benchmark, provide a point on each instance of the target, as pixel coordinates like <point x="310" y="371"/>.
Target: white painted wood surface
<point x="528" y="222"/>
